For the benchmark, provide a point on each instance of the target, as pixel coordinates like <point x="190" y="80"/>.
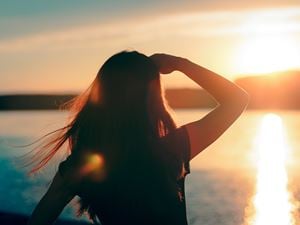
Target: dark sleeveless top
<point x="116" y="204"/>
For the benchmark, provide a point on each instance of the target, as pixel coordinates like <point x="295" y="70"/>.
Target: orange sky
<point x="231" y="40"/>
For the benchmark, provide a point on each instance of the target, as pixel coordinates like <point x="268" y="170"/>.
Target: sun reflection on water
<point x="272" y="204"/>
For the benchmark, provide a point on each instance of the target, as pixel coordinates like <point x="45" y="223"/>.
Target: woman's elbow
<point x="241" y="100"/>
<point x="238" y="100"/>
<point x="243" y="97"/>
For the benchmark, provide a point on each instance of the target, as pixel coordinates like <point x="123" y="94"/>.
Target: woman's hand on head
<point x="165" y="63"/>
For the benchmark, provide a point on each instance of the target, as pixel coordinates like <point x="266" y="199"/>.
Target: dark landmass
<point x="189" y="98"/>
<point x="19" y="219"/>
<point x="279" y="90"/>
<point x="177" y="98"/>
<point x="32" y="101"/>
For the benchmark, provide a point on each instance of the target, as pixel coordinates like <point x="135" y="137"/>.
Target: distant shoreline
<point x="267" y="92"/>
<point x="182" y="98"/>
<point x="33" y="101"/>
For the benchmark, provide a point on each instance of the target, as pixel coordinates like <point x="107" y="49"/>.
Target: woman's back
<point x="138" y="192"/>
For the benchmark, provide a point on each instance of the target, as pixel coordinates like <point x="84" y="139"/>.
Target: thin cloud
<point x="205" y="25"/>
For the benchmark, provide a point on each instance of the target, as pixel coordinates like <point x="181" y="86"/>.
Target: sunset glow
<point x="231" y="41"/>
<point x="267" y="54"/>
<point x="268" y="44"/>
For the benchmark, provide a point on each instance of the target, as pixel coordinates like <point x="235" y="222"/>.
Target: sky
<point x="58" y="46"/>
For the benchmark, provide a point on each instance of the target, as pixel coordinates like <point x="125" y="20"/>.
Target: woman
<point x="128" y="158"/>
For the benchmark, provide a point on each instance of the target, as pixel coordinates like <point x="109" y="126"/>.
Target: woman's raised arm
<point x="231" y="99"/>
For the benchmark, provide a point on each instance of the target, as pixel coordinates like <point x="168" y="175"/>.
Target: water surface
<point x="247" y="177"/>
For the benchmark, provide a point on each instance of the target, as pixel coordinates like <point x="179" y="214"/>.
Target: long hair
<point x="125" y="107"/>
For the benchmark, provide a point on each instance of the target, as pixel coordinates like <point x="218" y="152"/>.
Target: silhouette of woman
<point x="128" y="159"/>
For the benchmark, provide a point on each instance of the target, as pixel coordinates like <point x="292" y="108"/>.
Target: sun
<point x="267" y="46"/>
<point x="267" y="54"/>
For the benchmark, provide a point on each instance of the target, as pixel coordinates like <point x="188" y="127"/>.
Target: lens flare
<point x="94" y="166"/>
